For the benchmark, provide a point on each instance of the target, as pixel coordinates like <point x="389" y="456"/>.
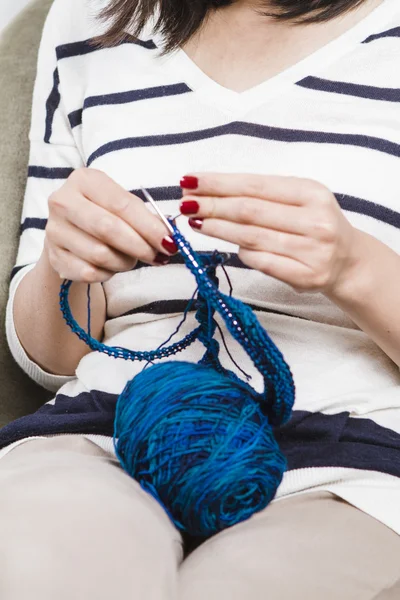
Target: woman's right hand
<point x="96" y="228"/>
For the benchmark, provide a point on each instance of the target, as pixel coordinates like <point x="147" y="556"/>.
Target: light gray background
<point x="9" y="9"/>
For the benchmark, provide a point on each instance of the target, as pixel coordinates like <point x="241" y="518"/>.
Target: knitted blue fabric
<point x="195" y="436"/>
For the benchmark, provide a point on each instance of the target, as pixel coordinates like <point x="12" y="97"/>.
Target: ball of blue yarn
<point x="199" y="443"/>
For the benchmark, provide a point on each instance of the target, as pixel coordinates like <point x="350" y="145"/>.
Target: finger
<point x="103" y="191"/>
<point x="250" y="211"/>
<point x="74" y="268"/>
<point x="287" y="190"/>
<point x="285" y="269"/>
<point x="89" y="249"/>
<point x="255" y="238"/>
<point x="106" y="227"/>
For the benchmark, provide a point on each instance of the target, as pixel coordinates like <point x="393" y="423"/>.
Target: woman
<point x="280" y="120"/>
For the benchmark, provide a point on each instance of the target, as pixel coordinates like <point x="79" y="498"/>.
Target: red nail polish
<point x="196" y="223"/>
<point x="161" y="259"/>
<point x="189" y="182"/>
<point x="169" y="245"/>
<point x="189" y="207"/>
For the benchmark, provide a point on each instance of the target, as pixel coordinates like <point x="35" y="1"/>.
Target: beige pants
<point x="74" y="526"/>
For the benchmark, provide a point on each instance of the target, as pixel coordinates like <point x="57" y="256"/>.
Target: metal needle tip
<point x="160" y="214"/>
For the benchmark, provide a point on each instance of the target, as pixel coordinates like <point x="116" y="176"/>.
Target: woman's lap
<point x="74" y="525"/>
<point x="312" y="546"/>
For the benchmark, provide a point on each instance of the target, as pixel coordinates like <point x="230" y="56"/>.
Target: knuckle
<point x="314" y="282"/>
<point x="52" y="230"/>
<point x="310" y="190"/>
<point x="248" y="212"/>
<point x="265" y="263"/>
<point x="85" y="176"/>
<point x="304" y="284"/>
<point x="320" y="194"/>
<point x="56" y="201"/>
<point x="312" y="185"/>
<point x="49" y="229"/>
<point x="128" y="265"/>
<point x="252" y="240"/>
<point x="320" y="281"/>
<point x="121" y="203"/>
<point x="94" y="173"/>
<point x="78" y="175"/>
<point x="325" y="230"/>
<point x="101" y="255"/>
<point x="256" y="186"/>
<point x="89" y="274"/>
<point x="210" y="208"/>
<point x="105" y="226"/>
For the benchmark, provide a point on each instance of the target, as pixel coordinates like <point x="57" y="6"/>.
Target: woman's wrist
<point x="40" y="326"/>
<point x="369" y="293"/>
<point x="355" y="282"/>
<point x="44" y="266"/>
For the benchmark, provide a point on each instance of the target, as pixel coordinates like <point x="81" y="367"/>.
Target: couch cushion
<point x="18" y="53"/>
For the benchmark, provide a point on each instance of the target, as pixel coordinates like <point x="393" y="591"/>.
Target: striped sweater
<point x="145" y="119"/>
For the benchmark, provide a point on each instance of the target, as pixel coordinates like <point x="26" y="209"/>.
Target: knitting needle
<point x="154" y="205"/>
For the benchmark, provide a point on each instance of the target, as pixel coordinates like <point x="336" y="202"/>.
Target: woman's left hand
<point x="289" y="228"/>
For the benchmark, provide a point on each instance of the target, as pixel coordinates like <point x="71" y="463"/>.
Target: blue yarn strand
<point x="178" y="328"/>
<point x="88" y="312"/>
<point x="117" y="351"/>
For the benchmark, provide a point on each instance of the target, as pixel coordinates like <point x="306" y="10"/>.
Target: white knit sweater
<point x="333" y="117"/>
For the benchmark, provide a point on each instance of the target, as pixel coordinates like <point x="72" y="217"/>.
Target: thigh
<point x="73" y="524"/>
<point x="390" y="593"/>
<point x="309" y="547"/>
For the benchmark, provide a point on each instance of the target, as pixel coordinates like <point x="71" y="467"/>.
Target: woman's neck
<point x="239" y="48"/>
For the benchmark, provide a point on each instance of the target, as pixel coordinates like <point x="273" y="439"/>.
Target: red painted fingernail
<point x="189" y="182"/>
<point x="196" y="223"/>
<point x="169" y="245"/>
<point x="189" y="207"/>
<point x="161" y="259"/>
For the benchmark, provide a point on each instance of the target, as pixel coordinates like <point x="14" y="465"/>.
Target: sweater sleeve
<point x="53" y="156"/>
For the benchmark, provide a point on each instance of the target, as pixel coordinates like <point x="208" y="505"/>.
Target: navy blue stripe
<point x="16" y="270"/>
<point x="319" y="440"/>
<point x="351" y="89"/>
<point x="49" y="172"/>
<point x="75" y="117"/>
<point x="160" y="91"/>
<point x="370" y="209"/>
<point x="52" y="104"/>
<point x="161" y="307"/>
<point x="88" y="46"/>
<point x="230" y="260"/>
<point x="349" y="203"/>
<point x="395" y="32"/>
<point x="160" y="193"/>
<point x="250" y="130"/>
<point x="307" y="440"/>
<point x="33" y="223"/>
<point x="169" y="307"/>
<point x="87" y="413"/>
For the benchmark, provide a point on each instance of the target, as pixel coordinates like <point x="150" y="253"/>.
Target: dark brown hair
<point x="178" y="20"/>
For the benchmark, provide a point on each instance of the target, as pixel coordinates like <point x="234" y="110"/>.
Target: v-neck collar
<point x="236" y="103"/>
